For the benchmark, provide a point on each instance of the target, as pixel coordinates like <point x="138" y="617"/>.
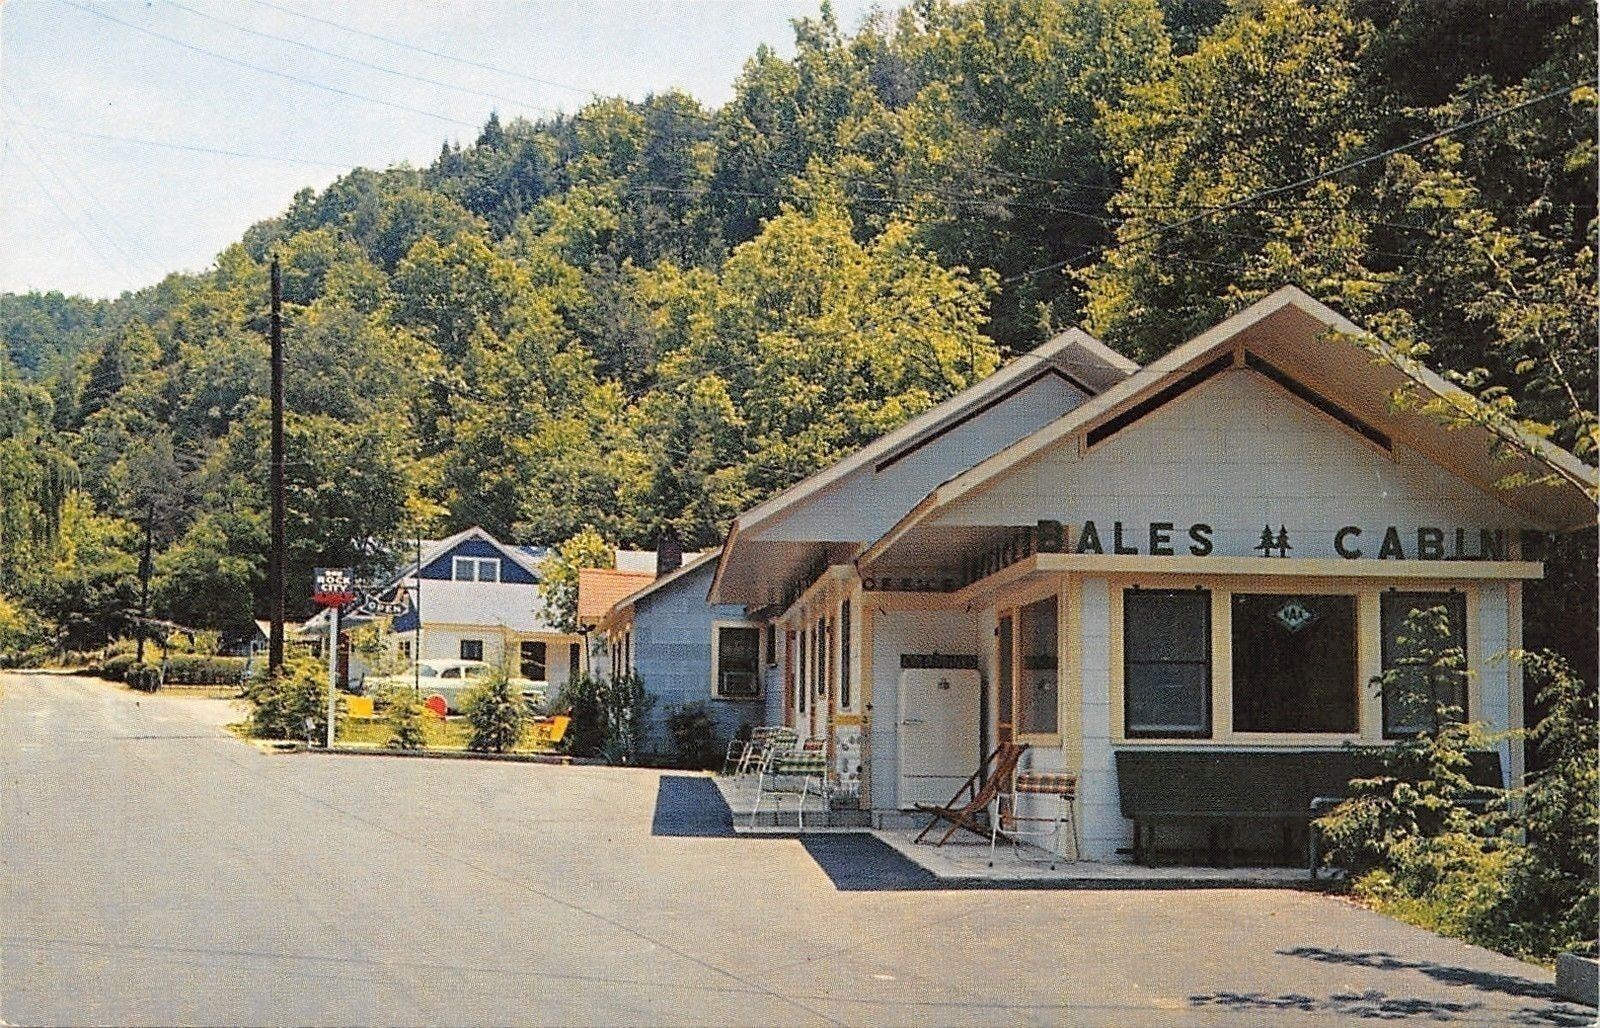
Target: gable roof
<point x="600" y="589"/>
<point x="1290" y="313"/>
<point x="700" y="560"/>
<point x="526" y="557"/>
<point x="1074" y="355"/>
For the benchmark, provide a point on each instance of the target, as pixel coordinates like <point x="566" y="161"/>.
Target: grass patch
<point x="451" y="734"/>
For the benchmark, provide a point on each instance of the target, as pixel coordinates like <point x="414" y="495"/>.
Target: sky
<point x="109" y="111"/>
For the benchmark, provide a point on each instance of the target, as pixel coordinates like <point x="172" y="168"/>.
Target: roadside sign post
<point x="333" y="671"/>
<point x="333" y="588"/>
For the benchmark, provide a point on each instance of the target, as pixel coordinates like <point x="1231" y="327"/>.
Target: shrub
<point x="609" y="716"/>
<point x="143" y="677"/>
<point x="1424" y="790"/>
<point x="402" y="712"/>
<point x="495" y="710"/>
<point x="204" y="670"/>
<point x="1552" y="899"/>
<point x="291" y="705"/>
<point x="115" y="668"/>
<point x="693" y="732"/>
<point x="1518" y="877"/>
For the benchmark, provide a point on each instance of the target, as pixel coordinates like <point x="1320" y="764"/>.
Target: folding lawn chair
<point x="774" y="738"/>
<point x="1058" y="792"/>
<point x="790" y="773"/>
<point x="980" y="790"/>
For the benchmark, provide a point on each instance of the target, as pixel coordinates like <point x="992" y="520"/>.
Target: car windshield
<point x="426" y="672"/>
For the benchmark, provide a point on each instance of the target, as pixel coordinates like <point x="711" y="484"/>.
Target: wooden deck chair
<point x="980" y="790"/>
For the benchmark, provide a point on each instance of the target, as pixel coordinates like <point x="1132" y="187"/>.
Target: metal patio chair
<point x="790" y="773"/>
<point x="1058" y="791"/>
<point x="772" y="738"/>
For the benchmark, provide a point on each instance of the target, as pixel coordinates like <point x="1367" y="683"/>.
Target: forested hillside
<point x="649" y="315"/>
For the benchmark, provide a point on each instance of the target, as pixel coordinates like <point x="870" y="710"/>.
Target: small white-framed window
<point x="475" y="569"/>
<point x="735" y="660"/>
<point x="471" y="649"/>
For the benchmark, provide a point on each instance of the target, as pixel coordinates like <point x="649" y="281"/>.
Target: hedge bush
<point x="694" y="734"/>
<point x="199" y="670"/>
<point x="293" y="705"/>
<point x="115" y="668"/>
<point x="144" y="677"/>
<point x="495" y="711"/>
<point x="609" y="716"/>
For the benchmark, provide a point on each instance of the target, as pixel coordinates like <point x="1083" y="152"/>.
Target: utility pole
<point x="144" y="580"/>
<point x="416" y="634"/>
<point x="275" y="563"/>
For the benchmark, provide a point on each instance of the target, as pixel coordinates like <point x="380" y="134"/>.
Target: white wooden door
<point x="938" y="732"/>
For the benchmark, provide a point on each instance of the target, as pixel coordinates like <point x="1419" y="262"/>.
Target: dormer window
<point x="476" y="569"/>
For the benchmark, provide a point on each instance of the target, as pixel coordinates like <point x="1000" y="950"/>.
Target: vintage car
<point x="452" y="679"/>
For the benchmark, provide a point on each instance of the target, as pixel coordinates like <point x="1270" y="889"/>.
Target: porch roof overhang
<point x="1039" y="565"/>
<point x="1292" y="332"/>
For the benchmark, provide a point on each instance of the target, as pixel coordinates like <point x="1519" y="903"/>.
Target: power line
<point x="707" y="119"/>
<point x="127" y="260"/>
<point x="362" y="63"/>
<point x="175" y="41"/>
<point x="71" y="222"/>
<point x="193" y="148"/>
<point x="424" y="50"/>
<point x="52" y="156"/>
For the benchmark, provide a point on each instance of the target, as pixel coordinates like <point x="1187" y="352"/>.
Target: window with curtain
<point x="1166" y="654"/>
<point x="819" y="655"/>
<point x="738" y="660"/>
<point x="802" y="664"/>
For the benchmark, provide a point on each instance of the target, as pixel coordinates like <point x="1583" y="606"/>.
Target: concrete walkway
<point x="154" y="870"/>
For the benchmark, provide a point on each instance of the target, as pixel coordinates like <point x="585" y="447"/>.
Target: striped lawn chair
<point x="739" y="750"/>
<point x="772" y="738"/>
<point x="1059" y="792"/>
<point x="791" y="773"/>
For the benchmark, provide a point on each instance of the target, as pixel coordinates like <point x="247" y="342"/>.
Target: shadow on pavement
<point x="858" y="862"/>
<point x="1487" y="981"/>
<point x="1557" y="1012"/>
<point x="691" y="806"/>
<point x="1369" y="1004"/>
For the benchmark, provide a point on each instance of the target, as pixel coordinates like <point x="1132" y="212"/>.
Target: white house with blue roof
<point x="477" y="598"/>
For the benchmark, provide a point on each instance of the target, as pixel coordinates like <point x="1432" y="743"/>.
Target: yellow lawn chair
<point x="549" y="731"/>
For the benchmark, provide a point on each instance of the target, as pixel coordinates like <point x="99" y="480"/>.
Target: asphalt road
<point x="154" y="870"/>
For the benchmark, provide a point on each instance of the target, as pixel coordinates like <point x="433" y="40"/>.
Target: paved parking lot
<point x="154" y="870"/>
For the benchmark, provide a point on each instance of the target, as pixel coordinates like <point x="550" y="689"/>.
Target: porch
<point x="780" y="813"/>
<point x="964" y="862"/>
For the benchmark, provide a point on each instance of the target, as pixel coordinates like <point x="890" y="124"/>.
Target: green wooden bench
<point x="1225" y="789"/>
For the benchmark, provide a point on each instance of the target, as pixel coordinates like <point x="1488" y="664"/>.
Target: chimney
<point x="669" y="552"/>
